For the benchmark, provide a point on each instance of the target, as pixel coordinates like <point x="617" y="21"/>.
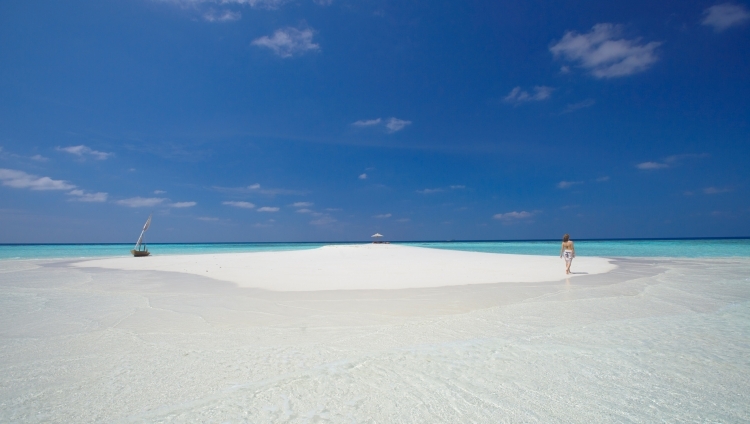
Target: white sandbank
<point x="360" y="267"/>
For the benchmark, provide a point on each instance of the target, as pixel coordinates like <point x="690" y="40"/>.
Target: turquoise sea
<point x="680" y="248"/>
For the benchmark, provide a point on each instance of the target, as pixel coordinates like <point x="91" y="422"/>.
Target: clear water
<point x="699" y="248"/>
<point x="656" y="341"/>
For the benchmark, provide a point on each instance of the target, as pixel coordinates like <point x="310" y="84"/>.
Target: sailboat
<point x="140" y="248"/>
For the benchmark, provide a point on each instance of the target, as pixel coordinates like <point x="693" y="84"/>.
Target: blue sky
<point x="253" y="120"/>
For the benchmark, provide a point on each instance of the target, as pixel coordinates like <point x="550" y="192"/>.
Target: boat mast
<point x="145" y="227"/>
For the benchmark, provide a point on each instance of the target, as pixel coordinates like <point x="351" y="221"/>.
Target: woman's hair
<point x="566" y="237"/>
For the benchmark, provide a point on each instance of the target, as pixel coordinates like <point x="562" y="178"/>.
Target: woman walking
<point x="568" y="251"/>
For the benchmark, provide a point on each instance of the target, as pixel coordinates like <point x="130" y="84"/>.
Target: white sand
<point x="361" y="267"/>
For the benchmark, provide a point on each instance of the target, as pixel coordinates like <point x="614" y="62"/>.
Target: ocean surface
<point x="682" y="248"/>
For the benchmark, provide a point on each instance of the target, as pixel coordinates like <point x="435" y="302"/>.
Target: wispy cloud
<point x="183" y="204"/>
<point x="517" y="95"/>
<point x="394" y="124"/>
<point x="572" y="107"/>
<point x="391" y="125"/>
<point x="288" y="42"/>
<point x="602" y="179"/>
<point x="367" y="122"/>
<point x="725" y="15"/>
<point x="207" y="218"/>
<point x="268" y="209"/>
<point x="20" y="179"/>
<point x="383" y="216"/>
<point x="83" y="151"/>
<point x="715" y="190"/>
<point x="568" y="184"/>
<point x="260" y="4"/>
<point x="39" y="158"/>
<point x="159" y="191"/>
<point x="441" y="189"/>
<point x="243" y="205"/>
<point x="604" y="53"/>
<point x="302" y="204"/>
<point x="141" y="202"/>
<point x="324" y="220"/>
<point x="82" y="196"/>
<point x="221" y="16"/>
<point x="430" y="191"/>
<point x="513" y="216"/>
<point x="362" y="176"/>
<point x="256" y="189"/>
<point x="651" y="165"/>
<point x="305" y="210"/>
<point x="669" y="161"/>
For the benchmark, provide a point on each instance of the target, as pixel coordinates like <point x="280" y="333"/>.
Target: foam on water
<point x="666" y="340"/>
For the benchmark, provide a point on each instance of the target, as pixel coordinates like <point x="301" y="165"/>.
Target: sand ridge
<point x="360" y="267"/>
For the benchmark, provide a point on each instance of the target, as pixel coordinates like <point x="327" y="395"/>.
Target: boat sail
<point x="140" y="248"/>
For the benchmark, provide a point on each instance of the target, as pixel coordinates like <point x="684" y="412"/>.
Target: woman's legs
<point x="567" y="265"/>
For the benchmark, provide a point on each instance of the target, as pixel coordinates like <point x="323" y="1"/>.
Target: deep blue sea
<point x="683" y="248"/>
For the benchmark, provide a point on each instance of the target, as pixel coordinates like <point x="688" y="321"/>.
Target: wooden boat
<point x="140" y="248"/>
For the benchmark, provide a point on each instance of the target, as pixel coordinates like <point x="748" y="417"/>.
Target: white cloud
<point x="159" y="191"/>
<point x="714" y="190"/>
<point x="457" y="187"/>
<point x="602" y="179"/>
<point x="670" y="161"/>
<point x="394" y="124"/>
<point x="287" y="42"/>
<point x="513" y="216"/>
<point x="268" y="209"/>
<point x="20" y="179"/>
<point x="568" y="184"/>
<point x="304" y="211"/>
<point x="603" y="53"/>
<point x="383" y="216"/>
<point x="262" y="4"/>
<point x="430" y="190"/>
<point x="207" y="218"/>
<point x="325" y="220"/>
<point x="367" y="122"/>
<point x="82" y="150"/>
<point x="82" y="196"/>
<point x="244" y="205"/>
<point x="651" y="165"/>
<point x="39" y="158"/>
<point x="221" y="16"/>
<point x="517" y="95"/>
<point x="302" y="204"/>
<point x="725" y="15"/>
<point x="141" y="202"/>
<point x="572" y="107"/>
<point x="183" y="204"/>
<point x="362" y="176"/>
<point x="255" y="186"/>
<point x="403" y="220"/>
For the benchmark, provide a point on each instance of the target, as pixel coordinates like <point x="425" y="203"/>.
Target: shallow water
<point x="684" y="248"/>
<point x="657" y="340"/>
